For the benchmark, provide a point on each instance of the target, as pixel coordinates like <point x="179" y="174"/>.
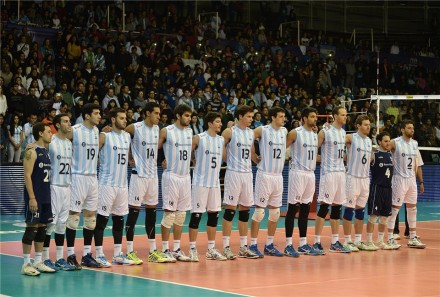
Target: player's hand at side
<point x="422" y="189"/>
<point x="164" y="164"/>
<point x="33" y="206"/>
<point x="131" y="163"/>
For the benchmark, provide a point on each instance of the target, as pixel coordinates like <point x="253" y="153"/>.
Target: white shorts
<point x="301" y="187"/>
<point x="84" y="193"/>
<point x="268" y="189"/>
<point x="143" y="191"/>
<point x="404" y="190"/>
<point x="357" y="190"/>
<point x="206" y="199"/>
<point x="238" y="188"/>
<point x="112" y="200"/>
<point x="60" y="201"/>
<point x="332" y="188"/>
<point x="176" y="192"/>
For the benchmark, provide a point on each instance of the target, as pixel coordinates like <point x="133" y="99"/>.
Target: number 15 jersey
<point x="85" y="146"/>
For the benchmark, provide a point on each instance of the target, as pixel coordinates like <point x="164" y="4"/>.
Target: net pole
<point x="377" y="91"/>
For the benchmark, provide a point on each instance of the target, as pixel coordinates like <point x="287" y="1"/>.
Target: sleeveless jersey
<point x="177" y="149"/>
<point x="113" y="159"/>
<point x="304" y="150"/>
<point x="60" y="152"/>
<point x="405" y="156"/>
<point x="41" y="176"/>
<point x="359" y="156"/>
<point x="85" y="146"/>
<point x="239" y="149"/>
<point x="272" y="149"/>
<point x="208" y="161"/>
<point x="144" y="149"/>
<point x="332" y="150"/>
<point x="382" y="169"/>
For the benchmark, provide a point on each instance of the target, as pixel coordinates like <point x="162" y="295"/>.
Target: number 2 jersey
<point x="40" y="176"/>
<point x="60" y="152"/>
<point x="113" y="159"/>
<point x="382" y="169"/>
<point x="359" y="156"/>
<point x="272" y="149"/>
<point x="177" y="149"/>
<point x="85" y="145"/>
<point x="405" y="156"/>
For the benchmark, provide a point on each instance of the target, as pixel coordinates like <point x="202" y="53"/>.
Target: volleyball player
<point x="206" y="196"/>
<point x="113" y="186"/>
<point x="379" y="200"/>
<point x="176" y="141"/>
<point x="60" y="152"/>
<point x="38" y="210"/>
<point x="269" y="179"/>
<point x="404" y="149"/>
<point x="303" y="143"/>
<point x="331" y="139"/>
<point x="144" y="184"/>
<point x="85" y="145"/>
<point x="239" y="145"/>
<point x="359" y="149"/>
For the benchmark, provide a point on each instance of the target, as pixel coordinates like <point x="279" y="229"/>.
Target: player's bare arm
<point x="321" y="138"/>
<point x="101" y="140"/>
<point x="162" y="137"/>
<point x="28" y="163"/>
<point x="291" y="138"/>
<point x="130" y="129"/>
<point x="227" y="134"/>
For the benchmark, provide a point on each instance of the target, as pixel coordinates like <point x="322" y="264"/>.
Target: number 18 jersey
<point x="85" y="147"/>
<point x="60" y="152"/>
<point x="177" y="149"/>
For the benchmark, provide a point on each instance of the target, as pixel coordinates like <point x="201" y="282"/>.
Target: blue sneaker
<point x="289" y="251"/>
<point x="89" y="261"/>
<point x="306" y="249"/>
<point x="63" y="265"/>
<point x="50" y="264"/>
<point x="338" y="248"/>
<point x="318" y="247"/>
<point x="271" y="250"/>
<point x="254" y="248"/>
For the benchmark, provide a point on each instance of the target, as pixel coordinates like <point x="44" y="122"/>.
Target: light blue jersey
<point x="272" y="149"/>
<point x="85" y="146"/>
<point x="113" y="160"/>
<point x="208" y="161"/>
<point x="304" y="150"/>
<point x="60" y="152"/>
<point x="332" y="150"/>
<point x="239" y="150"/>
<point x="177" y="149"/>
<point x="144" y="149"/>
<point x="405" y="156"/>
<point x="359" y="156"/>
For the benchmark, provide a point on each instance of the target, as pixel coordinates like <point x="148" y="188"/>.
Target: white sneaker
<point x="392" y="242"/>
<point x="416" y="243"/>
<point x="396" y="236"/>
<point x="193" y="255"/>
<point x="384" y="246"/>
<point x="170" y="256"/>
<point x="349" y="245"/>
<point x="179" y="255"/>
<point x="122" y="260"/>
<point x="103" y="261"/>
<point x="213" y="254"/>
<point x="229" y="254"/>
<point x="28" y="269"/>
<point x="43" y="268"/>
<point x="369" y="246"/>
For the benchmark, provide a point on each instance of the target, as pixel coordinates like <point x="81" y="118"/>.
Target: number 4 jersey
<point x="85" y="146"/>
<point x="382" y="169"/>
<point x="60" y="152"/>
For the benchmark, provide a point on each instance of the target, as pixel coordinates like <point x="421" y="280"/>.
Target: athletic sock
<point x="369" y="237"/>
<point x="70" y="250"/>
<point x="129" y="246"/>
<point x="335" y="238"/>
<point x="87" y="249"/>
<point x="27" y="258"/>
<point x="269" y="240"/>
<point x="317" y="238"/>
<point x="357" y="238"/>
<point x="192" y="244"/>
<point x="117" y="249"/>
<point x="99" y="251"/>
<point x="380" y="236"/>
<point x="152" y="243"/>
<point x="347" y="238"/>
<point x="288" y="241"/>
<point x="59" y="252"/>
<point x="165" y="245"/>
<point x="243" y="241"/>
<point x="45" y="253"/>
<point x="253" y="241"/>
<point x="390" y="235"/>
<point x="302" y="241"/>
<point x="412" y="234"/>
<point x="211" y="244"/>
<point x="176" y="245"/>
<point x="225" y="241"/>
<point x="38" y="257"/>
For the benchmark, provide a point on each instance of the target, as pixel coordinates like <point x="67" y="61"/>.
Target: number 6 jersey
<point x="359" y="156"/>
<point x="85" y="146"/>
<point x="60" y="152"/>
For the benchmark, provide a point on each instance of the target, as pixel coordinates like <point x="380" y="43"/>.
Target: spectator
<point x="3" y="103"/>
<point x="3" y="139"/>
<point x="108" y="97"/>
<point x="16" y="137"/>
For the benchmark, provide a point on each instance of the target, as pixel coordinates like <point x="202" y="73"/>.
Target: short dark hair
<point x="211" y="116"/>
<point x="308" y="110"/>
<point x="404" y="123"/>
<point x="336" y="110"/>
<point x="361" y="118"/>
<point x="88" y="108"/>
<point x="37" y="128"/>
<point x="149" y="107"/>
<point x="113" y="113"/>
<point x="57" y="119"/>
<point x="381" y="135"/>
<point x="275" y="110"/>
<point x="181" y="109"/>
<point x="242" y="110"/>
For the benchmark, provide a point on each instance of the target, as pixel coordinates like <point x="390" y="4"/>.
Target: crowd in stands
<point x="173" y="59"/>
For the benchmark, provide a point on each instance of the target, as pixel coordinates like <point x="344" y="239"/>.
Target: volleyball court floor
<point x="406" y="272"/>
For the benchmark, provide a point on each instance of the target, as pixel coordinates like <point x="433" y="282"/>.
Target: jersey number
<point x="47" y="177"/>
<point x="122" y="159"/>
<point x="364" y="159"/>
<point x="183" y="155"/>
<point x="410" y="163"/>
<point x="388" y="173"/>
<point x="277" y="153"/>
<point x="311" y="155"/>
<point x="65" y="168"/>
<point x="214" y="162"/>
<point x="150" y="153"/>
<point x="90" y="154"/>
<point x="245" y="154"/>
<point x="341" y="153"/>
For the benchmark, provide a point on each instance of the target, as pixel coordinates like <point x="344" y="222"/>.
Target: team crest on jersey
<point x="144" y="143"/>
<point x="115" y="148"/>
<point x="59" y="157"/>
<point x="207" y="152"/>
<point x="403" y="154"/>
<point x="238" y="144"/>
<point x="177" y="144"/>
<point x="358" y="149"/>
<point x="83" y="144"/>
<point x="335" y="143"/>
<point x="270" y="143"/>
<point x="380" y="164"/>
<point x="305" y="145"/>
<point x="40" y="165"/>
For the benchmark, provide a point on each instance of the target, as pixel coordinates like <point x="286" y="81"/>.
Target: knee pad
<point x="180" y="218"/>
<point x="60" y="228"/>
<point x="258" y="215"/>
<point x="89" y="223"/>
<point x="348" y="213"/>
<point x="243" y="215"/>
<point x="168" y="219"/>
<point x="323" y="210"/>
<point x="359" y="214"/>
<point x="392" y="218"/>
<point x="383" y="220"/>
<point x="373" y="219"/>
<point x="336" y="212"/>
<point x="73" y="222"/>
<point x="411" y="213"/>
<point x="41" y="234"/>
<point x="229" y="215"/>
<point x="118" y="223"/>
<point x="50" y="228"/>
<point x="29" y="235"/>
<point x="274" y="214"/>
<point x="101" y="222"/>
<point x="150" y="216"/>
<point x="132" y="217"/>
<point x="212" y="219"/>
<point x="304" y="210"/>
<point x="195" y="220"/>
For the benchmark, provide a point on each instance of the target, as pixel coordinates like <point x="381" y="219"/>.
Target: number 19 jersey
<point x="272" y="149"/>
<point x="359" y="156"/>
<point x="85" y="147"/>
<point x="144" y="149"/>
<point x="177" y="149"/>
<point x="208" y="161"/>
<point x="239" y="150"/>
<point x="60" y="152"/>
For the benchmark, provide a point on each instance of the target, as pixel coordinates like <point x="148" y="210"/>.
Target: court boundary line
<point x="150" y="279"/>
